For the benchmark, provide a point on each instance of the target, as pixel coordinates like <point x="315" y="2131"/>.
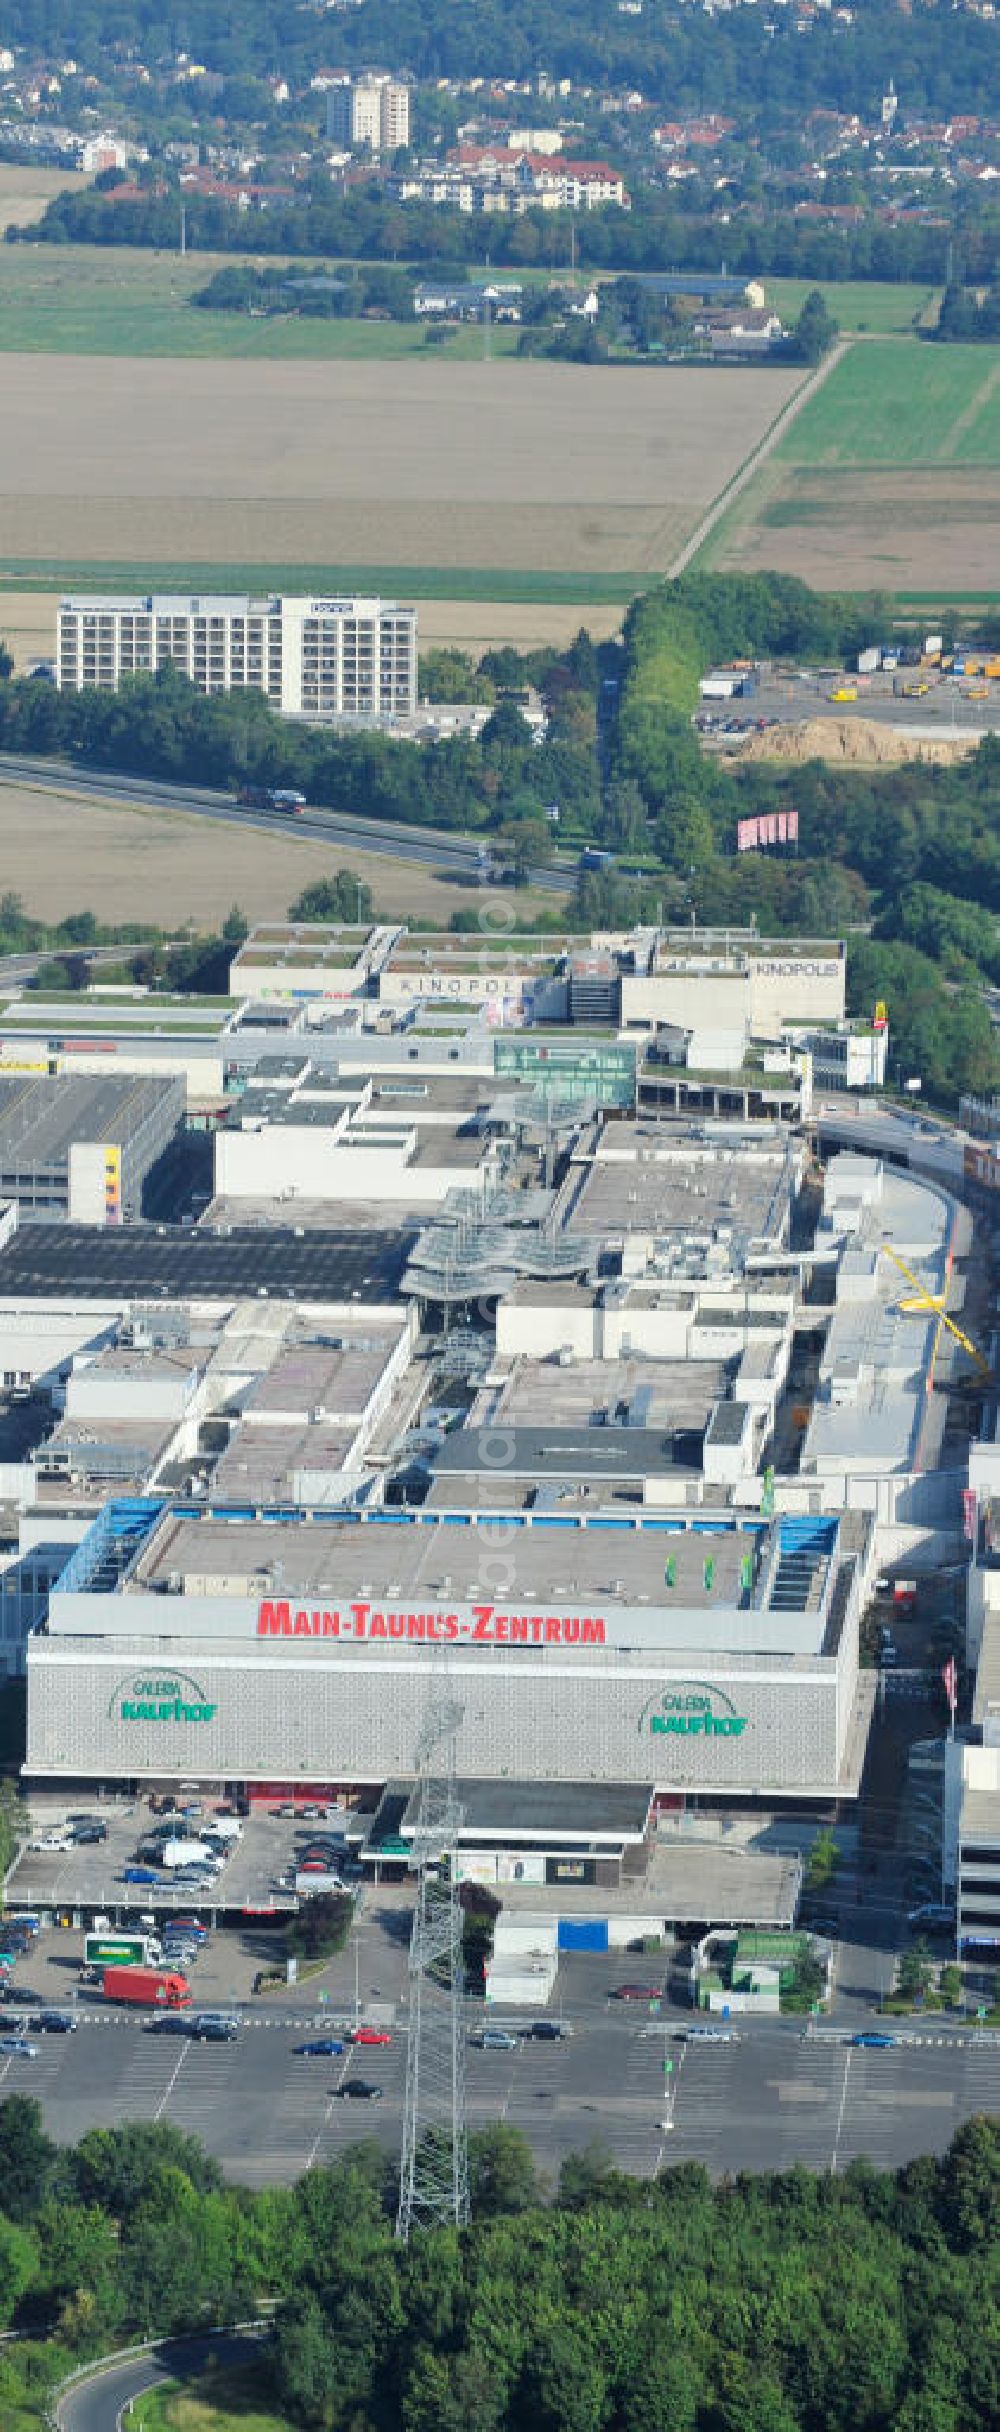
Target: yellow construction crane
<point x="933" y="1304"/>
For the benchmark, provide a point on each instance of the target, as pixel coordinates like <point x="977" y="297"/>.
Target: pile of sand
<point x="854" y="743"/>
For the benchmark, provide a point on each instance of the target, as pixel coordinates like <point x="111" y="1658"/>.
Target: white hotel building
<point x="313" y="658"/>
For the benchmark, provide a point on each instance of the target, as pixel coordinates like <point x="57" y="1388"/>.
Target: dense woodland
<point x="793" y="2303"/>
<point x="751" y="60"/>
<point x="905" y="862"/>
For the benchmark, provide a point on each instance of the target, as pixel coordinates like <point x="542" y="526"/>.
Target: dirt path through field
<point x="757" y="457"/>
<point x="969" y="415"/>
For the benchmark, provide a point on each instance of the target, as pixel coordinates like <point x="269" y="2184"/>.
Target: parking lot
<point x="258" y="1875"/>
<point x="766" y="2100"/>
<point x="942" y="707"/>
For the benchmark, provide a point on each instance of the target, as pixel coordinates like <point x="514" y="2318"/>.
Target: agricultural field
<point x="66" y="852"/>
<point x="559" y="468"/>
<point x="25" y="190"/>
<point x="891" y="404"/>
<point x="99" y="300"/>
<point x="880" y="306"/>
<point x="890" y="476"/>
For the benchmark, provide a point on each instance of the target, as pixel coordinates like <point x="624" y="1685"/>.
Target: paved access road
<point x="440" y="848"/>
<point x="772" y="2097"/>
<point x="97" y="2405"/>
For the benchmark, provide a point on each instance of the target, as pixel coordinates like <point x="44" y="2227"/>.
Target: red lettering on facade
<point x="274" y="1620"/>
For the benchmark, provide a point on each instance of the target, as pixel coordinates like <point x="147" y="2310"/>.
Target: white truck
<point x="187" y="1853"/>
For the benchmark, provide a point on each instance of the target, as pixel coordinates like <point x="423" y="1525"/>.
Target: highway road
<point x="439" y="848"/>
<point x="98" y="2404"/>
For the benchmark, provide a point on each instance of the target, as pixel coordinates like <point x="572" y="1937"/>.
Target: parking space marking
<point x="172" y="2081"/>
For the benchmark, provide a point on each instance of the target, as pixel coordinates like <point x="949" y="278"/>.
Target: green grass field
<point x="92" y="300"/>
<point x="223" y="2401"/>
<point x="902" y="404"/>
<point x="408" y="582"/>
<point x="859" y="304"/>
<point x="95" y="300"/>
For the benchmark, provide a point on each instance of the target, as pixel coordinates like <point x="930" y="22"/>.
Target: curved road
<point x="98" y="2405"/>
<point x="440" y="847"/>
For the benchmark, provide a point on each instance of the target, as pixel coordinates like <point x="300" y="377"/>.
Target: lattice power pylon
<point x="434" y="2168"/>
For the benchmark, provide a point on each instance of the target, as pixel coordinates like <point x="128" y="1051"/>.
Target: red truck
<point x="149" y="1988"/>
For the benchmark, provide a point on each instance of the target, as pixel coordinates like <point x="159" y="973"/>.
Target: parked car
<point x="208" y="2027"/>
<point x="636" y="1992"/>
<point x="496" y="2039"/>
<point x="53" y="1840"/>
<point x="867" y="2042"/>
<point x="286" y="1809"/>
<point x="192" y="1925"/>
<point x="369" y="2035"/>
<point x="357" y="2090"/>
<point x="167" y="2022"/>
<point x="321" y="2048"/>
<point x="551" y="2030"/>
<point x="709" y="2035"/>
<point x="931" y="1914"/>
<point x="138" y="1874"/>
<point x="19" y="2044"/>
<point x="87" y="1836"/>
<point x="54" y="2022"/>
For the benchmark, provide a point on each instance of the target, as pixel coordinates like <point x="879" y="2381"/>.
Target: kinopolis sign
<point x="692" y="1709"/>
<point x="162" y="1698"/>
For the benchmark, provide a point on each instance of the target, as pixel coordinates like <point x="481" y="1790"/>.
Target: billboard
<point x="767" y="828"/>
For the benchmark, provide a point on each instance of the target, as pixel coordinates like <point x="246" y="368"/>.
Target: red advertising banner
<point x="771" y="827"/>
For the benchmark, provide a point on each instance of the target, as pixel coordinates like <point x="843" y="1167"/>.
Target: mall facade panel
<point x="717" y="1662"/>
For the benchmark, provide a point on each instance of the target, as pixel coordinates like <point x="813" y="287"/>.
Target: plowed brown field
<point x="515" y="465"/>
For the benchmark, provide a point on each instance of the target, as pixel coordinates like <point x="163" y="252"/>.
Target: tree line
<point x="366" y="225"/>
<point x="789" y="2302"/>
<point x="967" y="317"/>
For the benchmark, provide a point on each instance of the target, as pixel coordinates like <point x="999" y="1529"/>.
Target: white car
<point x="53" y="1840"/>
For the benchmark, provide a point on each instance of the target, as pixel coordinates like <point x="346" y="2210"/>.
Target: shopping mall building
<point x="714" y="1657"/>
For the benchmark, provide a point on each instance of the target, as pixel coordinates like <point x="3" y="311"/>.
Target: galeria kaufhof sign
<point x="167" y="1697"/>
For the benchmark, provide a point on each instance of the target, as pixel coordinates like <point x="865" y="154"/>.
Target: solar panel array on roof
<point x="174" y="1263"/>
